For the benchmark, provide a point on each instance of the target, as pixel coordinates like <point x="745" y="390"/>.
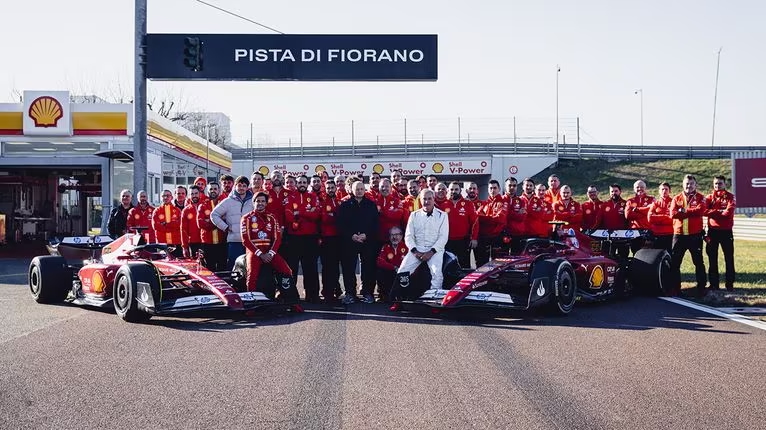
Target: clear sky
<point x="497" y="60"/>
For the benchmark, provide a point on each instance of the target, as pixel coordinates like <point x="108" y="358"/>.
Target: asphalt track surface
<point x="637" y="364"/>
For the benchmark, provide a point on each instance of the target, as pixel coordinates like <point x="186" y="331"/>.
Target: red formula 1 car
<point x="138" y="279"/>
<point x="551" y="273"/>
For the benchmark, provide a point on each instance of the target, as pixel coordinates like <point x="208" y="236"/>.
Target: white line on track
<point x="713" y="311"/>
<point x="13" y="274"/>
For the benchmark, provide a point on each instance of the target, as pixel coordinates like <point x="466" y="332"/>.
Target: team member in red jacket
<point x="391" y="210"/>
<point x="261" y="237"/>
<point x="539" y="212"/>
<point x="374" y="191"/>
<point x="227" y="184"/>
<point x="591" y="210"/>
<point x="340" y="187"/>
<point x="517" y="214"/>
<point x="440" y="195"/>
<point x="686" y="210"/>
<point x="411" y="202"/>
<point x="528" y="189"/>
<point x="213" y="239"/>
<point x="277" y="200"/>
<point x="388" y="262"/>
<point x="329" y="249"/>
<point x="567" y="209"/>
<point x="636" y="213"/>
<point x="463" y="225"/>
<point x="166" y="222"/>
<point x="659" y="219"/>
<point x="720" y="221"/>
<point x="191" y="238"/>
<point x="141" y="216"/>
<point x="553" y="194"/>
<point x="472" y="195"/>
<point x="493" y="216"/>
<point x="613" y="210"/>
<point x="201" y="184"/>
<point x="302" y="216"/>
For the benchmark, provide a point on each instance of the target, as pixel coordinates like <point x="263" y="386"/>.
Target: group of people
<point x="392" y="225"/>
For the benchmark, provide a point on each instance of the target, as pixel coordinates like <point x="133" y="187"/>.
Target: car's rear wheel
<point x="126" y="290"/>
<point x="50" y="280"/>
<point x="564" y="285"/>
<point x="650" y="271"/>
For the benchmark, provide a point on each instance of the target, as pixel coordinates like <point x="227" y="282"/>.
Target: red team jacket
<point x="166" y="222"/>
<point x="390" y="257"/>
<point x="306" y="222"/>
<point x="568" y="211"/>
<point x="463" y="220"/>
<point x="392" y="214"/>
<point x="142" y="217"/>
<point x="659" y="217"/>
<point x="690" y="221"/>
<point x="516" y="222"/>
<point x="329" y="212"/>
<point x="613" y="214"/>
<point x="190" y="231"/>
<point x="591" y="214"/>
<point x="638" y="210"/>
<point x="493" y="216"/>
<point x="539" y="212"/>
<point x="209" y="233"/>
<point x="720" y="210"/>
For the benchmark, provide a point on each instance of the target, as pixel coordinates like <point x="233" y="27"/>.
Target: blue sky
<point x="497" y="60"/>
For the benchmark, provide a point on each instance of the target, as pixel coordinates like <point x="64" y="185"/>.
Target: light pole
<point x="715" y="96"/>
<point x="556" y="140"/>
<point x="207" y="146"/>
<point x="640" y="92"/>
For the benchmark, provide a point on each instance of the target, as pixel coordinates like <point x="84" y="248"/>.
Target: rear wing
<point x="618" y="235"/>
<point x="86" y="241"/>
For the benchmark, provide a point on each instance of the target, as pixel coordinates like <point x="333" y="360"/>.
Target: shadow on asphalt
<point x="638" y="314"/>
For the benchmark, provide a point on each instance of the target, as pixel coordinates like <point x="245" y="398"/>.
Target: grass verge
<point x="750" y="283"/>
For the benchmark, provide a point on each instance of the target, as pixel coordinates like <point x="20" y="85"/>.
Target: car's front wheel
<point x="126" y="290"/>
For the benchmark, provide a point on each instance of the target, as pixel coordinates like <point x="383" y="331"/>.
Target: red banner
<point x="750" y="182"/>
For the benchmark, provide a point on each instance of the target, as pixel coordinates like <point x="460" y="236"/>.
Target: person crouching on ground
<point x="389" y="260"/>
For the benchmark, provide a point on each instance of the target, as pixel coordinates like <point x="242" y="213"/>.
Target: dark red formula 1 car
<point x="551" y="273"/>
<point x="138" y="279"/>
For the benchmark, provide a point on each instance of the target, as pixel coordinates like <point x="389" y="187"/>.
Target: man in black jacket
<point x="118" y="218"/>
<point x="358" y="227"/>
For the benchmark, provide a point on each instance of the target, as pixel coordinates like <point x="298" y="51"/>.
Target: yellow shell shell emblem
<point x="378" y="168"/>
<point x="264" y="170"/>
<point x="46" y="111"/>
<point x="438" y="167"/>
<point x="597" y="277"/>
<point x="97" y="282"/>
<point x="319" y="168"/>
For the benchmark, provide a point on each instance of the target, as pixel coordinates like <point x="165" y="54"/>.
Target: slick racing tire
<point x="650" y="272"/>
<point x="564" y="284"/>
<point x="125" y="291"/>
<point x="239" y="274"/>
<point x="50" y="280"/>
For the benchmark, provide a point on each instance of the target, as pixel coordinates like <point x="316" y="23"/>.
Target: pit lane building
<point x="63" y="164"/>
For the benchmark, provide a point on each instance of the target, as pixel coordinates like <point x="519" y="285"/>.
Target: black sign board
<point x="297" y="57"/>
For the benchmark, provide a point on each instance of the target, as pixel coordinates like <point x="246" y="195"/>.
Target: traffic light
<point x="193" y="53"/>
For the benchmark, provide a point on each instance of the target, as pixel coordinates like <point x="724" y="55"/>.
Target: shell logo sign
<point x="438" y="167"/>
<point x="597" y="277"/>
<point x="264" y="170"/>
<point x="46" y="111"/>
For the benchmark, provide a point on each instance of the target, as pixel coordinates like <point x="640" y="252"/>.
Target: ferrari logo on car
<point x="597" y="277"/>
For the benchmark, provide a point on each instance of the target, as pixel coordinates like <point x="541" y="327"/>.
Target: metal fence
<point x="749" y="228"/>
<point x="564" y="151"/>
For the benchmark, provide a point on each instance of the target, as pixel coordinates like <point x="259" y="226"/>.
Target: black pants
<point x="724" y="238"/>
<point x="367" y="254"/>
<point x="329" y="252"/>
<point x="664" y="241"/>
<point x="385" y="282"/>
<point x="459" y="247"/>
<point x="304" y="251"/>
<point x="194" y="247"/>
<point x="483" y="252"/>
<point x="692" y="243"/>
<point x="216" y="256"/>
